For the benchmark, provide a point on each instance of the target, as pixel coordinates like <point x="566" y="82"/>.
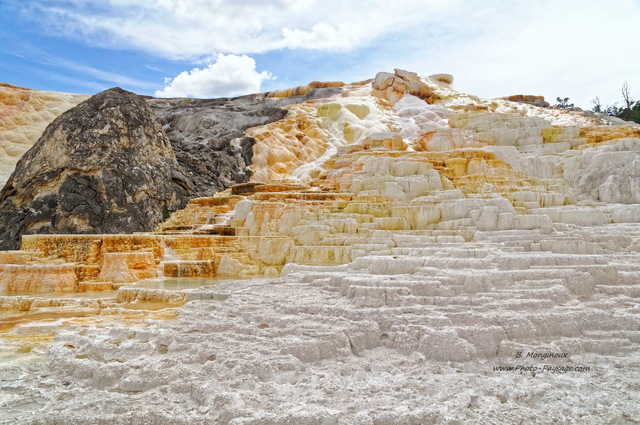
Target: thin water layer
<point x="60" y="295"/>
<point x="177" y="283"/>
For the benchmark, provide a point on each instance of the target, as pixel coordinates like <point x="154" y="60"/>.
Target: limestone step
<point x="628" y="291"/>
<point x="194" y="268"/>
<point x="322" y="197"/>
<point x="360" y="218"/>
<point x="215" y="229"/>
<point x="391" y="223"/>
<point x="375" y="210"/>
<point x="19" y="257"/>
<point x="40" y="278"/>
<point x="320" y="255"/>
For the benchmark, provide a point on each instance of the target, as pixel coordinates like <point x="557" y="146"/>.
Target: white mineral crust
<point x="409" y="338"/>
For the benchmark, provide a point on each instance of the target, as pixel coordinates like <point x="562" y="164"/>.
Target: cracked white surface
<point x="408" y="338"/>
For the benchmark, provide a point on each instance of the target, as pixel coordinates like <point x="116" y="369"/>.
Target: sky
<point x="216" y="48"/>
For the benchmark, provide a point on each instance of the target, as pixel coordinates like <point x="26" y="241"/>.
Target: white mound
<point x="448" y="260"/>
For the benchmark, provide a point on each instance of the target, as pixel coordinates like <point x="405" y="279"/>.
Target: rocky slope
<point x="207" y="138"/>
<point x="104" y="166"/>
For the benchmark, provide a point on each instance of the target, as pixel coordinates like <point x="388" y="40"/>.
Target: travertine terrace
<point x="407" y="244"/>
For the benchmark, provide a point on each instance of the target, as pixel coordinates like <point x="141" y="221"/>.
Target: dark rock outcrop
<point x="208" y="135"/>
<point x="105" y="166"/>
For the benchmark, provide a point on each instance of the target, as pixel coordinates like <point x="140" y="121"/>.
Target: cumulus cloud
<point x="229" y="75"/>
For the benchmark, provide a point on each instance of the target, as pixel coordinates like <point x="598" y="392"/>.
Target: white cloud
<point x="229" y="75"/>
<point x="322" y="36"/>
<point x="190" y="29"/>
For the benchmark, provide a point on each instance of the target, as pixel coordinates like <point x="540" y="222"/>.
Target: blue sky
<point x="211" y="48"/>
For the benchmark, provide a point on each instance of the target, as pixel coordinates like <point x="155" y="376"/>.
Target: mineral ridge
<point x="409" y="254"/>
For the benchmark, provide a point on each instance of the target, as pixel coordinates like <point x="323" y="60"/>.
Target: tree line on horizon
<point x="628" y="111"/>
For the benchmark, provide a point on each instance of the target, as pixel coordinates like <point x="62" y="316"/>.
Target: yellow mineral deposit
<point x="40" y="278"/>
<point x="283" y="146"/>
<point x="600" y="134"/>
<point x="126" y="267"/>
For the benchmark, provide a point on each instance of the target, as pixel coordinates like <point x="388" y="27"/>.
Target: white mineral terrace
<point x="394" y="261"/>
